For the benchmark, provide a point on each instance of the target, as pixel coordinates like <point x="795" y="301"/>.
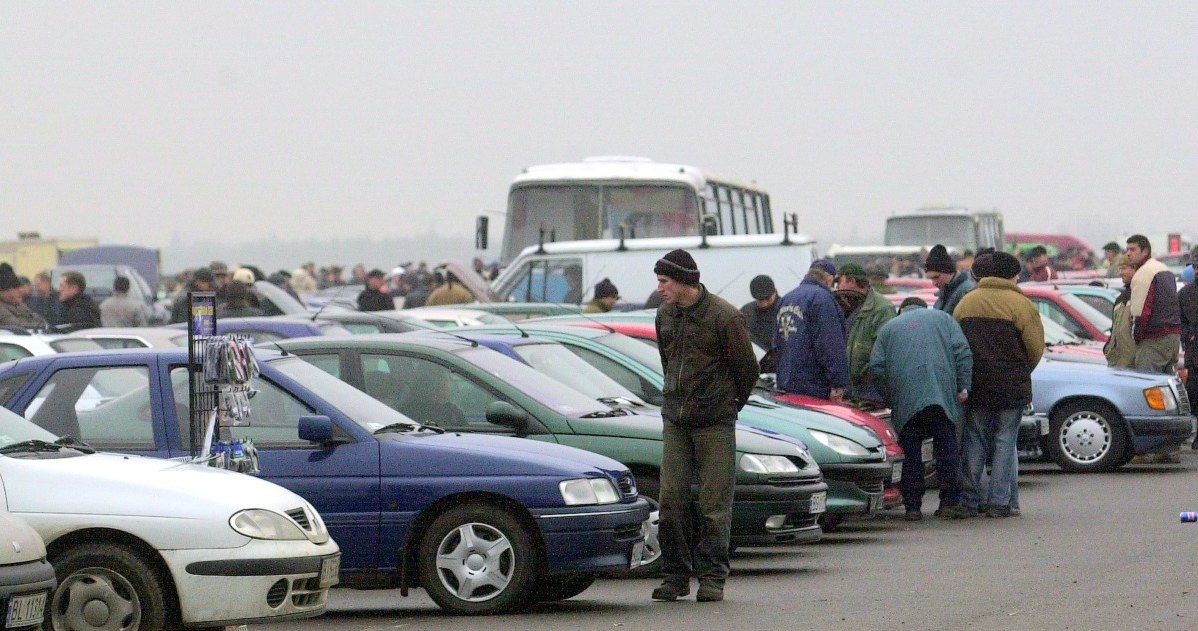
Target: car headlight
<point x="839" y="444"/>
<point x="588" y="491"/>
<point x="1161" y="398"/>
<point x="759" y="463"/>
<point x="258" y="523"/>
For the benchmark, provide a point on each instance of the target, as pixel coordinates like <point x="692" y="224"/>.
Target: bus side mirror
<point x="481" y="229"/>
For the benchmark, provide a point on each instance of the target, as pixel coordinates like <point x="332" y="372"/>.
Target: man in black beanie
<point x="952" y="284"/>
<point x="761" y="315"/>
<point x="710" y="372"/>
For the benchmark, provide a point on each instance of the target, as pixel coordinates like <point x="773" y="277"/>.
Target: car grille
<point x="627" y="485"/>
<point x="306" y="593"/>
<point x="301" y="517"/>
<point x="277" y="593"/>
<point x="1183" y="397"/>
<point x="624" y="533"/>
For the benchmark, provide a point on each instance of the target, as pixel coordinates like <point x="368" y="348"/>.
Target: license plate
<point x="1043" y="423"/>
<point x="25" y="610"/>
<point x="925" y="451"/>
<point x="330" y="568"/>
<point x="638" y="554"/>
<point x="819" y="502"/>
<point x="896" y="473"/>
<point x="875" y="503"/>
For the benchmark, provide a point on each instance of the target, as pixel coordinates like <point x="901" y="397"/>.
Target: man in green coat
<point x="866" y="311"/>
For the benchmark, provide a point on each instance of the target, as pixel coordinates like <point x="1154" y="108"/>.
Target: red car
<point x="1071" y="312"/>
<point x="636" y="327"/>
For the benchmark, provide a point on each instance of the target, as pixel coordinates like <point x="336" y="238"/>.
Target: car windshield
<point x="276" y="301"/>
<point x="1100" y="321"/>
<point x="558" y="362"/>
<point x="360" y="407"/>
<point x="1057" y="334"/>
<point x="547" y="391"/>
<point x="15" y="429"/>
<point x="641" y="353"/>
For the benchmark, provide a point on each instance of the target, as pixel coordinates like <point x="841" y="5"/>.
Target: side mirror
<point x="508" y="415"/>
<point x="316" y="429"/>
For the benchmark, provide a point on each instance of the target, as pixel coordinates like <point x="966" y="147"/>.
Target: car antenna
<point x="328" y="302"/>
<point x="425" y="326"/>
<point x="281" y="349"/>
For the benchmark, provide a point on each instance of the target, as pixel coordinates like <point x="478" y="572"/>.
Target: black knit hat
<point x="606" y="289"/>
<point x="8" y="278"/>
<point x="761" y="287"/>
<point x="939" y="261"/>
<point x="680" y="266"/>
<point x="1006" y="265"/>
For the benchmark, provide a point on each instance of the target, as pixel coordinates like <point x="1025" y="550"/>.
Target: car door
<point x="1061" y="317"/>
<point x="340" y="479"/>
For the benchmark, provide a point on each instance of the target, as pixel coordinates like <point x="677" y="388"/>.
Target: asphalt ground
<point x="1090" y="552"/>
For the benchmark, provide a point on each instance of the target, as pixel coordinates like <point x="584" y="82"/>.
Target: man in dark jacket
<point x="79" y="311"/>
<point x="1155" y="313"/>
<point x="952" y="283"/>
<point x="811" y="342"/>
<point x="201" y="280"/>
<point x="1006" y="340"/>
<point x="761" y="315"/>
<point x="710" y="372"/>
<point x="373" y="298"/>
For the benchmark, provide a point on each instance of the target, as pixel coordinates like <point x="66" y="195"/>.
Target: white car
<point x="453" y="317"/>
<point x="26" y="579"/>
<point x="131" y="337"/>
<point x="144" y="543"/>
<point x="15" y="345"/>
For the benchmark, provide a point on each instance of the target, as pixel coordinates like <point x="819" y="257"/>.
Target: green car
<point x="459" y="385"/>
<point x="852" y="458"/>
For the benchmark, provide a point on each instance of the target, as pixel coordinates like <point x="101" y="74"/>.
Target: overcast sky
<point x="144" y="122"/>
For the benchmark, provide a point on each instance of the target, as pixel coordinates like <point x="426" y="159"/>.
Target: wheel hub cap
<point x="1085" y="437"/>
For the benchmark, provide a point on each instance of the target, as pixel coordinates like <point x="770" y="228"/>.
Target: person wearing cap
<point x="373" y="298"/>
<point x="1120" y="347"/>
<point x="606" y="296"/>
<point x="201" y="280"/>
<point x="922" y="365"/>
<point x="761" y="315"/>
<point x="1110" y="257"/>
<point x="811" y="338"/>
<point x="868" y="311"/>
<point x="951" y="283"/>
<point x="13" y="310"/>
<point x="1006" y="338"/>
<point x="710" y="371"/>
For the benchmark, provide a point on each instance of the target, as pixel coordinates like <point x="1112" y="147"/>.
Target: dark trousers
<point x="695" y="542"/>
<point x="930" y="422"/>
<point x="1192" y="389"/>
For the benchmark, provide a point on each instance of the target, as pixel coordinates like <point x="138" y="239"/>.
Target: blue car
<point x="1090" y="417"/>
<point x="271" y="328"/>
<point x="482" y="523"/>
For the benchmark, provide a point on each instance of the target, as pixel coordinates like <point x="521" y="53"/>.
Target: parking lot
<point x="1090" y="552"/>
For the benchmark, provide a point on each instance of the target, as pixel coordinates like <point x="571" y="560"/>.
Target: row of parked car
<point x="491" y="465"/>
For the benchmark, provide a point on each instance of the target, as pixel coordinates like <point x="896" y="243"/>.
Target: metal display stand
<point x="220" y="368"/>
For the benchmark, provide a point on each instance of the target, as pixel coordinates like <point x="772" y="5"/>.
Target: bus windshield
<point x="957" y="230"/>
<point x="579" y="211"/>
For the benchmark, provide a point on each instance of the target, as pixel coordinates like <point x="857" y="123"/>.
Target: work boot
<point x="913" y="514"/>
<point x="709" y="592"/>
<point x="671" y="590"/>
<point x="998" y="511"/>
<point x="957" y="512"/>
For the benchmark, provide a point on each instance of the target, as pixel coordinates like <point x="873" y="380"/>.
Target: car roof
<point x="377" y="340"/>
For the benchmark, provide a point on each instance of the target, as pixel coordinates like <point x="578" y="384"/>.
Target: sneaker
<point x="670" y="590"/>
<point x="957" y="512"/>
<point x="709" y="593"/>
<point x="913" y="514"/>
<point x="999" y="511"/>
<point x="1170" y="458"/>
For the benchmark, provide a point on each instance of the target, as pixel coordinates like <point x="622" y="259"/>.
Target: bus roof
<point x="924" y="211"/>
<point x="622" y="169"/>
<point x="665" y="243"/>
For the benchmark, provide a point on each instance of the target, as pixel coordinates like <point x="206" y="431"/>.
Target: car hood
<point x="19" y="543"/>
<point x="135" y="486"/>
<point x="647" y="425"/>
<point x="1055" y="368"/>
<point x="463" y="454"/>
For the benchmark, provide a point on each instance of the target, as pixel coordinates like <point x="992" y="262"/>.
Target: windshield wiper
<point x="36" y="445"/>
<point x="397" y="427"/>
<point x="620" y="402"/>
<point x="606" y="414"/>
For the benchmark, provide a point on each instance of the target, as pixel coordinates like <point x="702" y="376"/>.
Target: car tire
<point x="107" y="586"/>
<point x="551" y="588"/>
<point x="478" y="559"/>
<point x="829" y="522"/>
<point x="1087" y="436"/>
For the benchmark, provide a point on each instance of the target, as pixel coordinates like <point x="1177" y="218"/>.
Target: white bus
<point x="952" y="226"/>
<point x="611" y="197"/>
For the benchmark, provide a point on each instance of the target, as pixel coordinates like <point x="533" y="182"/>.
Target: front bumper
<point x="272" y="581"/>
<point x="856" y="487"/>
<point x="591" y="538"/>
<point x="1152" y="434"/>
<point x="754" y="504"/>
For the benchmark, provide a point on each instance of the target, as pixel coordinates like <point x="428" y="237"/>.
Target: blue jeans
<point x="696" y="523"/>
<point x="990" y="434"/>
